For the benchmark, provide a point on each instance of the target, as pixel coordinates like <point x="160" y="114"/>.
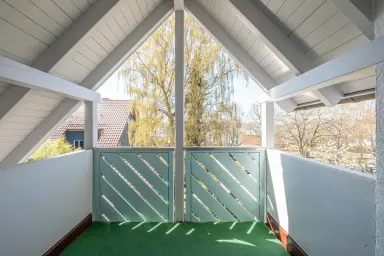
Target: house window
<point x="78" y="143"/>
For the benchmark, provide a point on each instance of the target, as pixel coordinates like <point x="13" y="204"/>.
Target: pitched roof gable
<point x="112" y="116"/>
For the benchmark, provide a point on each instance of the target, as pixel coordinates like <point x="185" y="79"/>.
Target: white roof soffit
<point x="357" y="16"/>
<point x="211" y="26"/>
<point x="109" y="65"/>
<point x="93" y="81"/>
<point x="285" y="49"/>
<point x="258" y="22"/>
<point x="237" y="52"/>
<point x="349" y="66"/>
<point x="12" y="100"/>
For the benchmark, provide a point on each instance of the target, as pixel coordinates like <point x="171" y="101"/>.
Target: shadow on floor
<point x="222" y="239"/>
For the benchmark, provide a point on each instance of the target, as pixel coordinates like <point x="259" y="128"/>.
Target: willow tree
<point x="149" y="75"/>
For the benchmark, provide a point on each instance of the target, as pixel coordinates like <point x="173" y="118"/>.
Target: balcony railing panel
<point x="225" y="184"/>
<point x="134" y="184"/>
<point x="327" y="210"/>
<point x="41" y="201"/>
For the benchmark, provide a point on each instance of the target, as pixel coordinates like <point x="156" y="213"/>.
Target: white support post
<point x="379" y="192"/>
<point x="179" y="100"/>
<point x="267" y="125"/>
<point x="90" y="125"/>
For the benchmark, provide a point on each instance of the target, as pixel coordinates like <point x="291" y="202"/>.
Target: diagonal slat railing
<point x="133" y="184"/>
<point x="225" y="184"/>
<point x="137" y="184"/>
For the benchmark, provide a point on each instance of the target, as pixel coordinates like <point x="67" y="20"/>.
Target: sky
<point x="114" y="88"/>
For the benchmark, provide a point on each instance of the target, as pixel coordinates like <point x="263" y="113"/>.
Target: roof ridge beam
<point x="235" y="50"/>
<point x="52" y="57"/>
<point x="358" y="18"/>
<point x="93" y="81"/>
<point x="259" y="23"/>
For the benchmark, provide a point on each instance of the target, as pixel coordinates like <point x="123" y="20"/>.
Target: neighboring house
<point x="112" y="121"/>
<point x="250" y="140"/>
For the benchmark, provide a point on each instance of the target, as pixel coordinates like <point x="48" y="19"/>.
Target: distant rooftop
<point x="250" y="140"/>
<point x="112" y="116"/>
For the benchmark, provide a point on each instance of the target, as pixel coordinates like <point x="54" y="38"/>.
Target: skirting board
<point x="290" y="245"/>
<point x="70" y="237"/>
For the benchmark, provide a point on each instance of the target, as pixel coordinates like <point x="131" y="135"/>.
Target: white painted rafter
<point x="277" y="41"/>
<point x="19" y="74"/>
<point x="352" y="65"/>
<point x="254" y="70"/>
<point x="330" y="95"/>
<point x="357" y="17"/>
<point x="77" y="35"/>
<point x="93" y="81"/>
<point x="10" y="101"/>
<point x="128" y="46"/>
<point x="288" y="105"/>
<point x="52" y="57"/>
<point x="259" y="23"/>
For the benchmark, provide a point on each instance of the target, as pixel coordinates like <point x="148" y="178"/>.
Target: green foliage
<point x="52" y="148"/>
<point x="209" y="106"/>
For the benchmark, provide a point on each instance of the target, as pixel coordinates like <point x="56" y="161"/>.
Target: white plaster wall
<point x="327" y="210"/>
<point x="379" y="31"/>
<point x="40" y="202"/>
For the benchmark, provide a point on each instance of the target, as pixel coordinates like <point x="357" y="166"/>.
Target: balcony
<point x="231" y="196"/>
<point x="54" y="55"/>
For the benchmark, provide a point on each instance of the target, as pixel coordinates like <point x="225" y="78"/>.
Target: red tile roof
<point x="112" y="116"/>
<point x="250" y="140"/>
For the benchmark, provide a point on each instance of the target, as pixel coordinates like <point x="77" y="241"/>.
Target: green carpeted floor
<point x="181" y="239"/>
